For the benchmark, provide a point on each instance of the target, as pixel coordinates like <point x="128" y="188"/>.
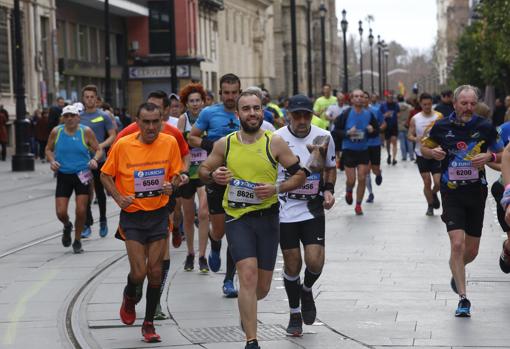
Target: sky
<point x="411" y="23"/>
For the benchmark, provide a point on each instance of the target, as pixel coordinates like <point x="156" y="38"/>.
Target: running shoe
<point x="348" y="197"/>
<point x="229" y="290"/>
<point x="127" y="310"/>
<point x="66" y="234"/>
<point x="453" y="285"/>
<point x="252" y="345"/>
<point x="103" y="229"/>
<point x="159" y="315"/>
<point x="202" y="265"/>
<point x="138" y="293"/>
<point x="504" y="260"/>
<point x="77" y="247"/>
<point x="176" y="238"/>
<point x="308" y="309"/>
<point x="149" y="333"/>
<point x="295" y="327"/>
<point x="86" y="232"/>
<point x="358" y="210"/>
<point x="214" y="260"/>
<point x="435" y="201"/>
<point x="388" y="160"/>
<point x="370" y="198"/>
<point x="378" y="179"/>
<point x="394" y="162"/>
<point x="430" y="211"/>
<point x="464" y="308"/>
<point x="190" y="261"/>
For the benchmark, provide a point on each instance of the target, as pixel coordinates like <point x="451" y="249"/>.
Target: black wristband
<point x="329" y="187"/>
<point x="207" y="145"/>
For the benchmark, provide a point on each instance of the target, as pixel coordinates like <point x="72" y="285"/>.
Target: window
<point x="4" y="52"/>
<point x="226" y="24"/>
<point x="113" y="49"/>
<point x="83" y="38"/>
<point x="61" y="38"/>
<point x="159" y="32"/>
<point x="94" y="50"/>
<point x="73" y="37"/>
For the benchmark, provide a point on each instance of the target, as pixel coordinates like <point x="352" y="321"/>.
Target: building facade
<point x="452" y="17"/>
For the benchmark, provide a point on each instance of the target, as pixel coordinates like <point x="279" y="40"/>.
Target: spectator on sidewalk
<point x="4" y="118"/>
<point x="41" y="132"/>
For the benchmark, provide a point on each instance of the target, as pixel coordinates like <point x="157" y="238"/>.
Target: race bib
<point x="149" y="183"/>
<point x="462" y="171"/>
<point x="85" y="176"/>
<point x="309" y="190"/>
<point x="359" y="135"/>
<point x="198" y="155"/>
<point x="241" y="194"/>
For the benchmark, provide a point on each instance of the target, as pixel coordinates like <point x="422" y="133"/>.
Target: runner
<point x="103" y="128"/>
<point x="353" y="129"/>
<point x="374" y="150"/>
<point x="460" y="141"/>
<point x="321" y="105"/>
<point x="138" y="173"/>
<point x="430" y="169"/>
<point x="68" y="152"/>
<point x="218" y="121"/>
<point x="160" y="99"/>
<point x="193" y="96"/>
<point x="391" y="110"/>
<point x="251" y="203"/>
<point x="302" y="210"/>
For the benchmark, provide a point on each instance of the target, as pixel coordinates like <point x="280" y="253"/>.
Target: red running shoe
<point x="348" y="197"/>
<point x="176" y="238"/>
<point x="127" y="310"/>
<point x="358" y="210"/>
<point x="149" y="333"/>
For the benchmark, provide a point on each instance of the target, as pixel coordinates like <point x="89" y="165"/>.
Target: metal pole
<point x="294" y="47"/>
<point x="323" y="44"/>
<point x="371" y="42"/>
<point x="344" y="24"/>
<point x="107" y="61"/>
<point x="379" y="64"/>
<point x="387" y="72"/>
<point x="360" y="55"/>
<point x="22" y="160"/>
<point x="173" y="49"/>
<point x="309" y="47"/>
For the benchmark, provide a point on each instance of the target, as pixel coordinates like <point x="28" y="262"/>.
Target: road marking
<point x="19" y="310"/>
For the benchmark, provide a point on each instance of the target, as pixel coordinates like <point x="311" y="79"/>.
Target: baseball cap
<point x="300" y="103"/>
<point x="79" y="106"/>
<point x="70" y="109"/>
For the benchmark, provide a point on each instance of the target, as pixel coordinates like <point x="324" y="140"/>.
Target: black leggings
<point x="42" y="147"/>
<point x="4" y="151"/>
<point x="101" y="198"/>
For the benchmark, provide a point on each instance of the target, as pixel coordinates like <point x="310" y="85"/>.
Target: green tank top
<point x="250" y="164"/>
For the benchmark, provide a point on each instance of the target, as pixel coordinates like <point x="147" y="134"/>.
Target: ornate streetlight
<point x="309" y="46"/>
<point x="360" y="29"/>
<point x="379" y="63"/>
<point x="344" y="24"/>
<point x="371" y="43"/>
<point x="322" y="10"/>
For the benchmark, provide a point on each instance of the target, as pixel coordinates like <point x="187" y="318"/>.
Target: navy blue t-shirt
<point x="461" y="142"/>
<point x="393" y="120"/>
<point x="358" y="141"/>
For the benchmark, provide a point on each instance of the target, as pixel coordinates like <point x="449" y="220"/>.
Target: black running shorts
<point x="353" y="158"/>
<point x="215" y="197"/>
<point x="374" y="155"/>
<point x="145" y="226"/>
<point x="391" y="132"/>
<point x="428" y="165"/>
<point x="463" y="208"/>
<point x="254" y="236"/>
<point x="497" y="190"/>
<point x="69" y="182"/>
<point x="309" y="232"/>
<point x="189" y="189"/>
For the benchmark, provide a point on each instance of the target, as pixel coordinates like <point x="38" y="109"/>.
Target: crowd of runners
<point x="263" y="175"/>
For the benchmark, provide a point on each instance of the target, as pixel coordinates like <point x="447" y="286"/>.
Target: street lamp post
<point x="371" y="43"/>
<point x="309" y="46"/>
<point x="22" y="160"/>
<point x="322" y="10"/>
<point x="360" y="29"/>
<point x="293" y="38"/>
<point x="386" y="54"/>
<point x="379" y="63"/>
<point x="173" y="49"/>
<point x="344" y="24"/>
<point x="107" y="61"/>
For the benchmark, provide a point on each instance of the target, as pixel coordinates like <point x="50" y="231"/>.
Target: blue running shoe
<point x="103" y="229"/>
<point x="86" y="232"/>
<point x="214" y="260"/>
<point x="464" y="308"/>
<point x="370" y="198"/>
<point x="378" y="179"/>
<point x="229" y="290"/>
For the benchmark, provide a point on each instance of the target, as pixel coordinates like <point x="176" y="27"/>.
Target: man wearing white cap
<point x="68" y="154"/>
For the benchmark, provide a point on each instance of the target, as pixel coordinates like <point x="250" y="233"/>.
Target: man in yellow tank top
<point x="247" y="163"/>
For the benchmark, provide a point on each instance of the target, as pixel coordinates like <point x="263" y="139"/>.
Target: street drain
<point x="230" y="334"/>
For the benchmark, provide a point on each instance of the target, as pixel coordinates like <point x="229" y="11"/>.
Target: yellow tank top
<point x="250" y="164"/>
